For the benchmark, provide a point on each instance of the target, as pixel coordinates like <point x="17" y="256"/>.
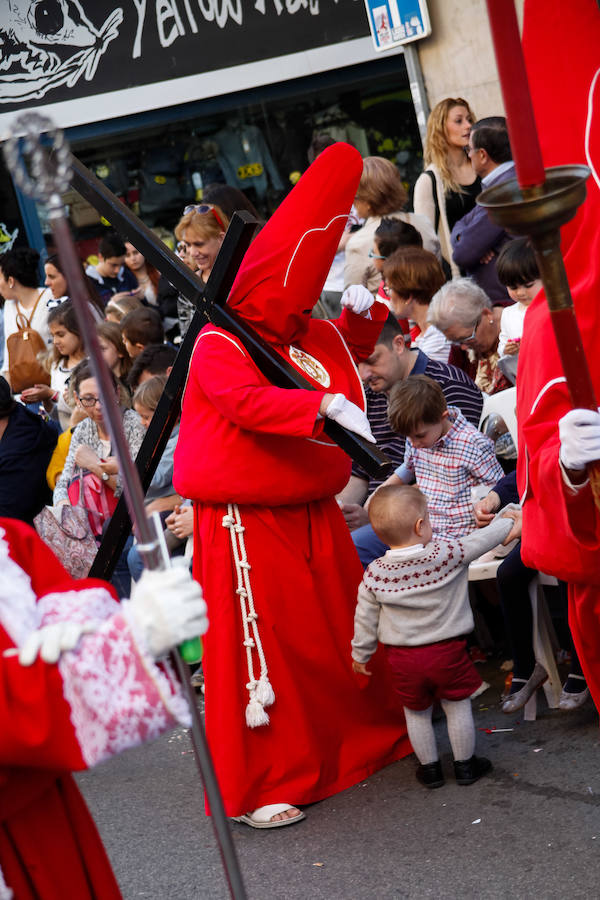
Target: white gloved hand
<point x="52" y="640"/>
<point x="357" y="299"/>
<point x="348" y="415"/>
<point x="168" y="607"/>
<point x="579" y="432"/>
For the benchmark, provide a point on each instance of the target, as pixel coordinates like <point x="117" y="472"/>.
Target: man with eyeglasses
<point x="476" y="241"/>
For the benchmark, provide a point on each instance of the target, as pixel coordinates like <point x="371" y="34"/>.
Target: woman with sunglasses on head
<point x="201" y="229"/>
<point x="447" y="189"/>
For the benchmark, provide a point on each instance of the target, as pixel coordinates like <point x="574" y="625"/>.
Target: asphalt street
<point x="531" y="828"/>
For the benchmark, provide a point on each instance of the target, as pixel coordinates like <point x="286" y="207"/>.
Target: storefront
<point x="148" y="105"/>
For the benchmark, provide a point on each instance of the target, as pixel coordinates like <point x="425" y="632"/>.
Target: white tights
<point x="461" y="731"/>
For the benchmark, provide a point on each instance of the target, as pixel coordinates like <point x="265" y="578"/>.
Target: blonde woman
<point x="446" y="190"/>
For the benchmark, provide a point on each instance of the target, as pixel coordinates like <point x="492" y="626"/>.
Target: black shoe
<point x="431" y="775"/>
<point x="468" y="771"/>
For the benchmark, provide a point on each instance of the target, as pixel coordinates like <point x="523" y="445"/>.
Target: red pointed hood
<point x="284" y="270"/>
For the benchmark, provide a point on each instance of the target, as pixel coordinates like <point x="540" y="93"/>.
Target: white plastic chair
<point x="504" y="405"/>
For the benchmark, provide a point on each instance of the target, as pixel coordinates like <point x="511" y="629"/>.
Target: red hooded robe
<point x="561" y="529"/>
<point x="263" y="475"/>
<point x="99" y="699"/>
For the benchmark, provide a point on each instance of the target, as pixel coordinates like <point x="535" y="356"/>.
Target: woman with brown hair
<point x="201" y="229"/>
<point x="380" y="193"/>
<point x="447" y="189"/>
<point x="412" y="276"/>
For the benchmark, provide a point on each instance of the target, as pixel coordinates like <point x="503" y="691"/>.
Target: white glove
<point x="168" y="607"/>
<point x="52" y="640"/>
<point x="357" y="299"/>
<point x="348" y="415"/>
<point x="579" y="432"/>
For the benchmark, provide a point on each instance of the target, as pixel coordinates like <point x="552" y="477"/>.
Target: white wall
<point x="458" y="59"/>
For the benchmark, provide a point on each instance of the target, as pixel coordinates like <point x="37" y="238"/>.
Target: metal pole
<point x="417" y="87"/>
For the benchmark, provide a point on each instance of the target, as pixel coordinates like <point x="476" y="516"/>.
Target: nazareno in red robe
<point x="102" y="698"/>
<point x="561" y="529"/>
<point x="263" y="475"/>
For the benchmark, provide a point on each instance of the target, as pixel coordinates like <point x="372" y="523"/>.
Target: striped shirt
<point x="446" y="472"/>
<point x="459" y="390"/>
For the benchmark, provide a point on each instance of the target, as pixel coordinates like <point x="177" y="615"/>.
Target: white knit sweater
<point x="417" y="596"/>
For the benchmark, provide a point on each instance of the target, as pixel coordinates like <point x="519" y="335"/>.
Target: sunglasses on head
<point x="203" y="209"/>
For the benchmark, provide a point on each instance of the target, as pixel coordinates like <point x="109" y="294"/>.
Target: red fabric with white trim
<point x="561" y="530"/>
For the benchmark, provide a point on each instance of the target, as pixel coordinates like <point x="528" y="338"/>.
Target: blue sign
<point x="396" y="22"/>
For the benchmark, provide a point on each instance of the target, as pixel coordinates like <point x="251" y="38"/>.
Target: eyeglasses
<point x="89" y="401"/>
<point x="373" y="255"/>
<point x="471" y="338"/>
<point x="203" y="209"/>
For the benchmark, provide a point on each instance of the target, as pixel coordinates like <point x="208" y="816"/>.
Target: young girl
<point x="113" y="349"/>
<point x="147" y="275"/>
<point x="67" y="351"/>
<point x="161" y="494"/>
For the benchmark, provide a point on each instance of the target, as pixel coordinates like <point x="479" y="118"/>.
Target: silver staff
<point x="37" y="155"/>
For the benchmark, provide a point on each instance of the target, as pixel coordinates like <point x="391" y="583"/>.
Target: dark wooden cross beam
<point x="210" y="302"/>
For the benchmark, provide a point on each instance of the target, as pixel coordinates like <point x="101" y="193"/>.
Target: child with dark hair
<point x="141" y="327"/>
<point x="68" y="350"/>
<point x="155" y="359"/>
<point x="24" y="298"/>
<point x="517" y="270"/>
<point x="110" y="272"/>
<point x="415" y="601"/>
<point x="445" y="454"/>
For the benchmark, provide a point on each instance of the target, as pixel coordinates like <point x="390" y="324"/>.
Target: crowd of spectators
<point x="457" y="289"/>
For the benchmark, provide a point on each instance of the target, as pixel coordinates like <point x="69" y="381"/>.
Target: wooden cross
<point x="210" y="302"/>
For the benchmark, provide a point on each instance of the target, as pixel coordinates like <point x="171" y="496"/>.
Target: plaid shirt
<point x="447" y="471"/>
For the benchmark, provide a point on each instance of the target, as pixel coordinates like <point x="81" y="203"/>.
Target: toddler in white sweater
<point x="414" y="600"/>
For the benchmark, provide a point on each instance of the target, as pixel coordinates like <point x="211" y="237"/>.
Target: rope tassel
<point x="260" y="691"/>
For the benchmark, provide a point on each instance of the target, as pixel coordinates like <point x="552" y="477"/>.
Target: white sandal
<point x="262" y="817"/>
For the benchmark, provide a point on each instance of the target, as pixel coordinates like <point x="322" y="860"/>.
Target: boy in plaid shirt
<point x="445" y="454"/>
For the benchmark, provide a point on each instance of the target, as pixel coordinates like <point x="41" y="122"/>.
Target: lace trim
<point x="260" y="692"/>
<point x="18" y="613"/>
<point x="118" y="697"/>
<point x="90" y="604"/>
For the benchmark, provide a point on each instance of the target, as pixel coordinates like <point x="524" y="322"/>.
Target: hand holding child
<point x="517" y="516"/>
<point x="484" y="509"/>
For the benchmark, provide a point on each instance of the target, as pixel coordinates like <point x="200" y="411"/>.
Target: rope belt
<point x="260" y="691"/>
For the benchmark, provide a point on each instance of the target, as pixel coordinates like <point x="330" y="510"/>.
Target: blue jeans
<point x="368" y="546"/>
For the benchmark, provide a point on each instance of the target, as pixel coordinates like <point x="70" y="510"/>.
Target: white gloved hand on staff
<point x="357" y="299"/>
<point x="50" y="641"/>
<point x="168" y="607"/>
<point x="350" y="416"/>
<point x="579" y="432"/>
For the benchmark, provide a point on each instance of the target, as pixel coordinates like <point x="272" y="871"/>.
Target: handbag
<point x="89" y="492"/>
<point x="67" y="532"/>
<point x="24" y="346"/>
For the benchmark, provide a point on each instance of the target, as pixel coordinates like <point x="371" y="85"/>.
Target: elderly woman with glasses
<point x="464" y="313"/>
<point x="201" y="230"/>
